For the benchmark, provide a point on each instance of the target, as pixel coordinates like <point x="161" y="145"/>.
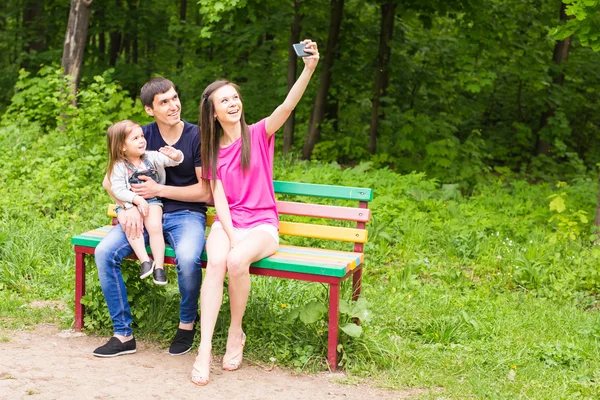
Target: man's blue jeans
<point x="184" y="231"/>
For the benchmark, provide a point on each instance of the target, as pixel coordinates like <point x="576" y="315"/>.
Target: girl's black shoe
<point x="159" y="276"/>
<point x="146" y="269"/>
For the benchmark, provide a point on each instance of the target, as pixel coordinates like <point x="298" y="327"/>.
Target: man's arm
<point x="191" y="193"/>
<point x="107" y="186"/>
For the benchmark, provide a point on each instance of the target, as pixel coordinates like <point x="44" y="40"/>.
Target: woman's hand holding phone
<point x="308" y="50"/>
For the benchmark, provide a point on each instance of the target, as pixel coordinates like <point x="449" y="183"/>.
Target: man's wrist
<point x="159" y="190"/>
<point x="127" y="205"/>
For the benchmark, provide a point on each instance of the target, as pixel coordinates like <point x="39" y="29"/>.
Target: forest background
<point x="476" y="122"/>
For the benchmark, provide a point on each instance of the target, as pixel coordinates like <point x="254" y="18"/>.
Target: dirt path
<point x="48" y="364"/>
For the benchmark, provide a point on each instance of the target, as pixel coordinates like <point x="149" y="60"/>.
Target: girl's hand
<point x="143" y="207"/>
<point x="171" y="152"/>
<point x="311" y="61"/>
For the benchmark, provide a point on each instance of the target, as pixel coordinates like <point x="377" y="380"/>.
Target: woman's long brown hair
<point x="115" y="139"/>
<point x="211" y="131"/>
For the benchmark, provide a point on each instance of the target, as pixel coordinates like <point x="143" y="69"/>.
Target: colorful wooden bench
<point x="327" y="266"/>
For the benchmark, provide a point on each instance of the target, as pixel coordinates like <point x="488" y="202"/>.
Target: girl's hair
<point x="115" y="140"/>
<point x="211" y="131"/>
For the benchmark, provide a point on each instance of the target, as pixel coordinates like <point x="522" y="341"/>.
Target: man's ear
<point x="149" y="111"/>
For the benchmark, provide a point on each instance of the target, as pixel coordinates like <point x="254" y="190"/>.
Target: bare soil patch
<point x="46" y="363"/>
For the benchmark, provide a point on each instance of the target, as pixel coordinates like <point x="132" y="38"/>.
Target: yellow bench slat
<point x="314" y="231"/>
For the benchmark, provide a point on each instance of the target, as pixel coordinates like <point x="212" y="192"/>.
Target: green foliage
<point x="55" y="154"/>
<point x="584" y="23"/>
<point x="567" y="225"/>
<point x="468" y="81"/>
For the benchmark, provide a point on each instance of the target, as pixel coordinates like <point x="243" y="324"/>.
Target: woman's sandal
<point x="234" y="362"/>
<point x="197" y="378"/>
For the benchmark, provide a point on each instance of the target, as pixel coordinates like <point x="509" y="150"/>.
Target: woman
<point x="237" y="163"/>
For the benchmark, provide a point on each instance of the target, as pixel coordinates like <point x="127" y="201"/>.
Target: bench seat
<point x="307" y="260"/>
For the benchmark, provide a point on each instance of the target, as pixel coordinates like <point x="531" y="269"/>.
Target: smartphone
<point x="299" y="49"/>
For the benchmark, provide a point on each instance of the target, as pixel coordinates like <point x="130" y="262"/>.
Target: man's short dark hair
<point x="153" y="87"/>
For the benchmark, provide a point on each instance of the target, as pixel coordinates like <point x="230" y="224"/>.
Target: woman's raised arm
<point x="281" y="113"/>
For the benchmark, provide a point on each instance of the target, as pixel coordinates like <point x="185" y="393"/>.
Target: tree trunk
<point x="519" y="103"/>
<point x="33" y="12"/>
<point x="100" y="22"/>
<point x="288" y="128"/>
<point x="561" y="53"/>
<point x="102" y="46"/>
<point x="332" y="108"/>
<point x="388" y="12"/>
<point x="337" y="8"/>
<point x="127" y="49"/>
<point x="115" y="47"/>
<point x="75" y="40"/>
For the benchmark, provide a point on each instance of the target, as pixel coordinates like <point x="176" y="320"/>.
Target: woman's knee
<point x="215" y="271"/>
<point x="236" y="264"/>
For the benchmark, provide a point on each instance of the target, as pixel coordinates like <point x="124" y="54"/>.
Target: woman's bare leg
<point x="211" y="297"/>
<point x="258" y="245"/>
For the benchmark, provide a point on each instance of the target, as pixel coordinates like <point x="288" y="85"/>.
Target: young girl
<point x="237" y="162"/>
<point x="128" y="159"/>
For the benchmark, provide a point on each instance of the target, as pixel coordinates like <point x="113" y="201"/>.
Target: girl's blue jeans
<point x="184" y="231"/>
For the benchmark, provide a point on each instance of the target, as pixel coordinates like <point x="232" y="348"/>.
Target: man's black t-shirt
<point x="183" y="174"/>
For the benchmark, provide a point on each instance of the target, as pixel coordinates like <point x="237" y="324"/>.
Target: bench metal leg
<point x="334" y="311"/>
<point x="79" y="289"/>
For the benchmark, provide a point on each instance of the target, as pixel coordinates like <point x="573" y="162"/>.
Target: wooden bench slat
<point x="314" y="231"/>
<point x="358" y="257"/>
<point x="302" y="267"/>
<point x="323" y="232"/>
<point x="323" y="211"/>
<point x="328" y="191"/>
<point x="305" y="210"/>
<point x="320" y="261"/>
<point x="316" y="257"/>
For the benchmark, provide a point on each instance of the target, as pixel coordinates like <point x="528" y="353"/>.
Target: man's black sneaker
<point x="146" y="269"/>
<point x="114" y="348"/>
<point x="159" y="276"/>
<point x="182" y="343"/>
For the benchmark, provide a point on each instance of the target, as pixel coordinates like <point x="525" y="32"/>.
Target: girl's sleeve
<point x="160" y="160"/>
<point x="118" y="181"/>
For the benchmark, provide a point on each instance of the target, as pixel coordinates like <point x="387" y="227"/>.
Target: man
<point x="184" y="222"/>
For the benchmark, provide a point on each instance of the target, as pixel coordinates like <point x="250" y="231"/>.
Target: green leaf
<point x="345" y="307"/>
<point x="352" y="330"/>
<point x="292" y="315"/>
<point x="312" y="312"/>
<point x="558" y="204"/>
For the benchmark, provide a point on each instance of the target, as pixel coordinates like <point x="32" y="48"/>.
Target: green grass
<point x="477" y="295"/>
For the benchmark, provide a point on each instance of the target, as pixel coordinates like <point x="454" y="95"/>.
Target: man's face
<point x="166" y="108"/>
